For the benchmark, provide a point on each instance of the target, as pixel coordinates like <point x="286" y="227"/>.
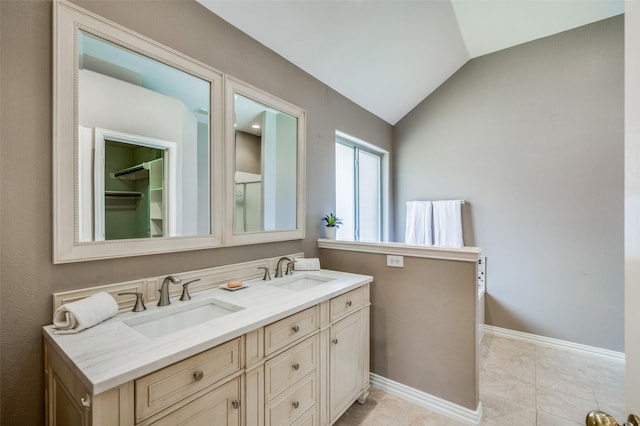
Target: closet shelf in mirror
<point x="122" y="200"/>
<point x="139" y="171"/>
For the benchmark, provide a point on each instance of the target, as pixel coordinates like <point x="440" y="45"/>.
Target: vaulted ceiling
<point x="388" y="55"/>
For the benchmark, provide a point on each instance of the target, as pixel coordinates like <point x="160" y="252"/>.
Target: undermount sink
<point x="303" y="282"/>
<point x="164" y="322"/>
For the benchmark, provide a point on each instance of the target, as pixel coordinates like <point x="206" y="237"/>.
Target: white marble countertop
<point x="112" y="353"/>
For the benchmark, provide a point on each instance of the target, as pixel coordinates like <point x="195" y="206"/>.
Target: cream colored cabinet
<point x="220" y="406"/>
<point x="178" y="389"/>
<point x="305" y="369"/>
<point x="348" y="351"/>
<point x="204" y="389"/>
<point x="291" y="372"/>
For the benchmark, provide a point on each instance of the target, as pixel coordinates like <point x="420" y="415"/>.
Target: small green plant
<point x="331" y="221"/>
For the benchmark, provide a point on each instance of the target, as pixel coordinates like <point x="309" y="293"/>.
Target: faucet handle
<point x="289" y="270"/>
<point x="139" y="306"/>
<point x="267" y="275"/>
<point x="185" y="290"/>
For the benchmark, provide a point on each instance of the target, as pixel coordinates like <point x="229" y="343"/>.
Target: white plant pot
<point x="330" y="232"/>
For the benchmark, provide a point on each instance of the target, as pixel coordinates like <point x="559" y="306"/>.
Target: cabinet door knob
<point x="349" y="303"/>
<point x="295" y="404"/>
<point x="295" y="328"/>
<point x="235" y="403"/>
<point x="198" y="375"/>
<point x="335" y="341"/>
<point x="295" y="366"/>
<point x="86" y="401"/>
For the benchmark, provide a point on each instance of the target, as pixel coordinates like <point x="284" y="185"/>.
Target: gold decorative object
<point x="600" y="418"/>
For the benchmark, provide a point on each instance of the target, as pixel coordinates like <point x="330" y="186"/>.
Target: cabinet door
<point x="65" y="408"/>
<point x="220" y="407"/>
<point x="346" y="358"/>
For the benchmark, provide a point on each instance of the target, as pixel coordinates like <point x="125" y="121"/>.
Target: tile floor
<point x="521" y="384"/>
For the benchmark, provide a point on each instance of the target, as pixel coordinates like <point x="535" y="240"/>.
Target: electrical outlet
<point x="395" y="261"/>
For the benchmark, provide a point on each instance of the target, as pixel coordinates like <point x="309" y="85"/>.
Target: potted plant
<point x="332" y="223"/>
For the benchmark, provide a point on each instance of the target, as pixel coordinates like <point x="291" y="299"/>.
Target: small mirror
<point x="140" y="124"/>
<point x="267" y="163"/>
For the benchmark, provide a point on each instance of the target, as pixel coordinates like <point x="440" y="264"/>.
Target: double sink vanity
<point x="195" y="159"/>
<point x="288" y="351"/>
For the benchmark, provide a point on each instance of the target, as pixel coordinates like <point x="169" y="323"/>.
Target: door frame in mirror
<point x="234" y="86"/>
<point x="68" y="20"/>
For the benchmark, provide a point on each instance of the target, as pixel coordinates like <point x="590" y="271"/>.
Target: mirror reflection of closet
<point x="133" y="191"/>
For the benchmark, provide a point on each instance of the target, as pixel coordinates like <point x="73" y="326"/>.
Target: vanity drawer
<point x="290" y="405"/>
<point x="288" y="330"/>
<point x="344" y="304"/>
<point x="159" y="390"/>
<point x="217" y="407"/>
<point x="310" y="418"/>
<point x="290" y="366"/>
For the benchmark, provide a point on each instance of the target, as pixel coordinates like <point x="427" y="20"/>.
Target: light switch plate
<point x="395" y="261"/>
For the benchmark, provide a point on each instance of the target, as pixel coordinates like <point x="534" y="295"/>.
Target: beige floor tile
<point x="485" y="349"/>
<point x="505" y="346"/>
<point x="563" y="405"/>
<point x="563" y="372"/>
<point x="509" y="388"/>
<point x="419" y="416"/>
<point x="499" y="411"/>
<point x="513" y="363"/>
<point x="604" y="372"/>
<point x="545" y="419"/>
<point x="520" y="385"/>
<point x="557" y="381"/>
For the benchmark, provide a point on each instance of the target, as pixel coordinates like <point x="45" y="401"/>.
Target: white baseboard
<point x="433" y="403"/>
<point x="553" y="343"/>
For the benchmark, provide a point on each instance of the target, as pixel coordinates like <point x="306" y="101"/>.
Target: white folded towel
<point x="418" y="227"/>
<point x="311" y="264"/>
<point x="76" y="316"/>
<point x="447" y="223"/>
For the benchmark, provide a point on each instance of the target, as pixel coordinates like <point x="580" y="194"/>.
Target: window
<point x="359" y="189"/>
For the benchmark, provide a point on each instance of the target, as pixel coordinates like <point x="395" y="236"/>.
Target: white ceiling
<point x="388" y="55"/>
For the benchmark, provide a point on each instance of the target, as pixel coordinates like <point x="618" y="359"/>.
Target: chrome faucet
<point x="279" y="266"/>
<point x="164" y="291"/>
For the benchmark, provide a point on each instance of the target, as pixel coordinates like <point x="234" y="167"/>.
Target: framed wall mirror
<point x="265" y="166"/>
<point x="138" y="157"/>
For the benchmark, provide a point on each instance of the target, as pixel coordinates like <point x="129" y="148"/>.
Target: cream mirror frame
<point x="69" y="20"/>
<point x="236" y="88"/>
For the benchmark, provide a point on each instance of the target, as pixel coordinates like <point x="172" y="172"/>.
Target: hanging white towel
<point x="76" y="316"/>
<point x="418" y="227"/>
<point x="447" y="223"/>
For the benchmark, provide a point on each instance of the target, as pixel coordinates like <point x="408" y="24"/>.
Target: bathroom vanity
<point x="290" y="351"/>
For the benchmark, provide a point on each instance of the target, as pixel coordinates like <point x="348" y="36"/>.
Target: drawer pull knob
<point x="198" y="375"/>
<point x="295" y="328"/>
<point x="335" y="341"/>
<point x="86" y="401"/>
<point x="295" y="404"/>
<point x="349" y="303"/>
<point x="296" y="366"/>
<point x="235" y="403"/>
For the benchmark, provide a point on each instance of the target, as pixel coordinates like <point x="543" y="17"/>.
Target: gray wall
<point x="28" y="275"/>
<point x="423" y="322"/>
<point x="532" y="138"/>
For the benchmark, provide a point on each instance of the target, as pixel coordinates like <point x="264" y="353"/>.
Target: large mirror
<point x="137" y="143"/>
<point x="265" y="164"/>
